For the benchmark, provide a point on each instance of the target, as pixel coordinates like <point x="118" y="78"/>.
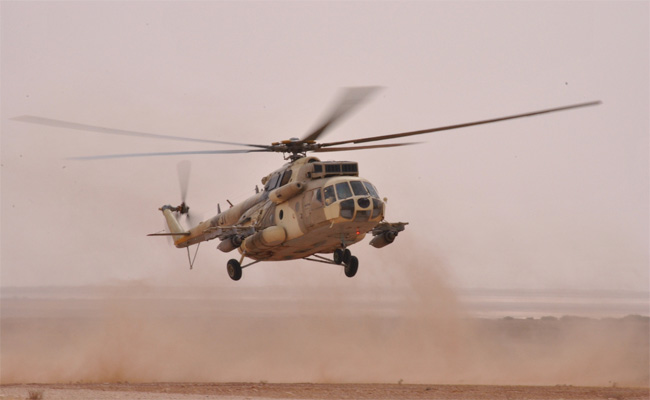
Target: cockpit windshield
<point x="371" y="189"/>
<point x="359" y="209"/>
<point x="358" y="188"/>
<point x="343" y="190"/>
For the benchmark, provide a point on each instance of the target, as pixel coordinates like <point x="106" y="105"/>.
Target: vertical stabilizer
<point x="173" y="224"/>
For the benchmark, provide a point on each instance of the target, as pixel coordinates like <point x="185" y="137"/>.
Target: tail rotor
<point x="184" y="168"/>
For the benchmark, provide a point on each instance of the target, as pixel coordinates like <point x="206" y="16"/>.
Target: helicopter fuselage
<point x="306" y="207"/>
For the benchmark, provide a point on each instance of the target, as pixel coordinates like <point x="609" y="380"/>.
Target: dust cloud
<point x="416" y="331"/>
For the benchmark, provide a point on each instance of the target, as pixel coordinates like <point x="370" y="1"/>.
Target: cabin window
<point x="329" y="195"/>
<point x="358" y="188"/>
<point x="343" y="190"/>
<point x="286" y="177"/>
<point x="371" y="189"/>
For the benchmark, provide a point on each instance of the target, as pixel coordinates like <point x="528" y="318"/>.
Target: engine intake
<point x="284" y="193"/>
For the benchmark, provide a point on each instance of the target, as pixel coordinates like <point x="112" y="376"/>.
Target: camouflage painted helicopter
<point x="307" y="208"/>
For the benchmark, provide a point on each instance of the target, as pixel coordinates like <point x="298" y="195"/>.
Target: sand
<point x="240" y="391"/>
<point x="99" y="343"/>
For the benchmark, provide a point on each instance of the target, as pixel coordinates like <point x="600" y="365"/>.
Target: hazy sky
<point x="551" y="202"/>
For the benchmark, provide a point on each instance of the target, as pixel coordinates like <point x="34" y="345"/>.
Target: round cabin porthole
<point x="281" y="214"/>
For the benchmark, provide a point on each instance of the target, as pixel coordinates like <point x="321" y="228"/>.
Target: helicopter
<point x="307" y="209"/>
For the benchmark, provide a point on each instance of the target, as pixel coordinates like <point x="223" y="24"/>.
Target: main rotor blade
<point x="349" y="99"/>
<point x="99" y="129"/>
<point x="449" y="127"/>
<point x="171" y="153"/>
<point x="372" y="146"/>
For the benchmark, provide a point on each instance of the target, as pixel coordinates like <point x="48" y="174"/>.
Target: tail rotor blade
<point x="191" y="220"/>
<point x="184" y="167"/>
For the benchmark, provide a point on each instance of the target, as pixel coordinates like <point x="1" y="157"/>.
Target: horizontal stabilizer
<point x="170" y="234"/>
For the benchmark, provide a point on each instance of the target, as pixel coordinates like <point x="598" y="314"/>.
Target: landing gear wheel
<point x="234" y="269"/>
<point x="351" y="267"/>
<point x="338" y="256"/>
<point x="346" y="256"/>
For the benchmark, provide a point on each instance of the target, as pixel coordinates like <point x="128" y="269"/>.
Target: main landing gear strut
<point x="341" y="257"/>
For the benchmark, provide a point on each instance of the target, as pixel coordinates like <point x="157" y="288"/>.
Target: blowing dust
<point x="413" y="332"/>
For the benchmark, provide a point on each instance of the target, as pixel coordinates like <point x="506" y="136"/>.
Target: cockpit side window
<point x="272" y="183"/>
<point x="329" y="195"/>
<point x="286" y="177"/>
<point x="358" y="188"/>
<point x="343" y="190"/>
<point x="371" y="189"/>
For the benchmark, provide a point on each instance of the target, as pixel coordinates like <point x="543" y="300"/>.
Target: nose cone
<point x="361" y="209"/>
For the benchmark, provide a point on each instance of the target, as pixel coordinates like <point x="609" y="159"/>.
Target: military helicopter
<point x="307" y="208"/>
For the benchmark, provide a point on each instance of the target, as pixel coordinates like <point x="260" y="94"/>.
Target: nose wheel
<point x="350" y="262"/>
<point x="342" y="256"/>
<point x="351" y="266"/>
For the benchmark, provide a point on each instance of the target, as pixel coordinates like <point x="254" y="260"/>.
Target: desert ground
<point x="139" y="342"/>
<point x="240" y="391"/>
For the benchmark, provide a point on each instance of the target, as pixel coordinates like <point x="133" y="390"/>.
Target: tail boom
<point x="177" y="231"/>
